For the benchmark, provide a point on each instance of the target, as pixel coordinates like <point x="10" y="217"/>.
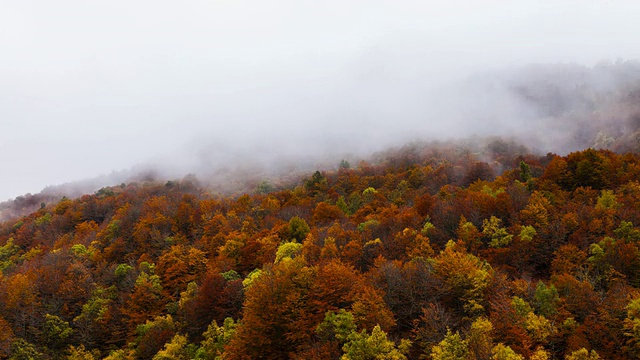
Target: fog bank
<point x="206" y="86"/>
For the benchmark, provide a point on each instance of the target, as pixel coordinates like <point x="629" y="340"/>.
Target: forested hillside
<point x="430" y="251"/>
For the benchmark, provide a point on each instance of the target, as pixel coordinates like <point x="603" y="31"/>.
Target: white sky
<point x="89" y="87"/>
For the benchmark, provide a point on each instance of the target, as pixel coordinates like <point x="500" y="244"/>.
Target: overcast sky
<point x="89" y="87"/>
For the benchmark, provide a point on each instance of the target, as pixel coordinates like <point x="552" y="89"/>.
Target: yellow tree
<point x="464" y="278"/>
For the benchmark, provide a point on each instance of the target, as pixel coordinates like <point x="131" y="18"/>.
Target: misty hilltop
<point x="566" y="107"/>
<point x="87" y="89"/>
<point x="555" y="108"/>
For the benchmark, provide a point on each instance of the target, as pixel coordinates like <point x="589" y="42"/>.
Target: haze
<point x="88" y="88"/>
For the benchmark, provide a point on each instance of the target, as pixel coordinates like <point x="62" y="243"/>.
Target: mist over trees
<point x="429" y="250"/>
<point x="556" y="108"/>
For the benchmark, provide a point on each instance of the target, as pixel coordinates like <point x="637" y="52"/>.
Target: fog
<point x="88" y="88"/>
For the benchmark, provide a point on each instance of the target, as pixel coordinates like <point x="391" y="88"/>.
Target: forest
<point x="427" y="251"/>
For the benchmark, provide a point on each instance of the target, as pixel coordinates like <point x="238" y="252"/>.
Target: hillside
<point x="428" y="250"/>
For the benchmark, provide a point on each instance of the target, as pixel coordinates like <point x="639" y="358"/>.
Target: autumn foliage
<point x="426" y="252"/>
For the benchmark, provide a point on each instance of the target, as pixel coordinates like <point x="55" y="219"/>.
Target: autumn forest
<point x="304" y="180"/>
<point x="434" y="251"/>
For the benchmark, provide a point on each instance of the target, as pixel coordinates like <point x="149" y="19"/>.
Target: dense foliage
<point x="426" y="253"/>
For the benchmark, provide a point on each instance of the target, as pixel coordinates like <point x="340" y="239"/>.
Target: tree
<point x="502" y="352"/>
<point x="23" y="350"/>
<point x="275" y="321"/>
<point x="583" y="354"/>
<point x="146" y="301"/>
<point x="317" y="184"/>
<point x="479" y="338"/>
<point x="8" y="254"/>
<point x="55" y="332"/>
<point x="153" y="335"/>
<point x="546" y="299"/>
<point x="478" y="171"/>
<point x="376" y="346"/>
<point x="432" y="326"/>
<point x="464" y="278"/>
<point x="177" y="349"/>
<point x="498" y="236"/>
<point x="334" y="287"/>
<point x="298" y="229"/>
<point x="407" y="287"/>
<point x="525" y="172"/>
<point x="587" y="168"/>
<point x="536" y="213"/>
<point x="215" y="339"/>
<point x="338" y="325"/>
<point x="179" y="266"/>
<point x="93" y="323"/>
<point x="215" y="299"/>
<point x="6" y="337"/>
<point x="540" y="354"/>
<point x="21" y="303"/>
<point x="325" y="213"/>
<point x="632" y="325"/>
<point x="452" y="347"/>
<point x="80" y="353"/>
<point x="288" y="250"/>
<point x="368" y="194"/>
<point x="469" y="234"/>
<point x="607" y="201"/>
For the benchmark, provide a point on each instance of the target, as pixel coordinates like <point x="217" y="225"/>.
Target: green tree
<point x="527" y="233"/>
<point x="547" y="299"/>
<point x="94" y="318"/>
<point x="251" y="277"/>
<point x="317" y="184"/>
<point x="298" y="229"/>
<point x="337" y="325"/>
<point x="452" y="347"/>
<point x="23" y="350"/>
<point x="627" y="232"/>
<point x="368" y="194"/>
<point x="122" y="270"/>
<point x="8" y="254"/>
<point x="177" y="349"/>
<point x="498" y="236"/>
<point x="607" y="200"/>
<point x="215" y="338"/>
<point x="525" y="172"/>
<point x="288" y="250"/>
<point x="374" y="346"/>
<point x="55" y="331"/>
<point x="342" y="205"/>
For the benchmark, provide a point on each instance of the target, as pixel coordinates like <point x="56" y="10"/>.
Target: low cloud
<point x="216" y="87"/>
